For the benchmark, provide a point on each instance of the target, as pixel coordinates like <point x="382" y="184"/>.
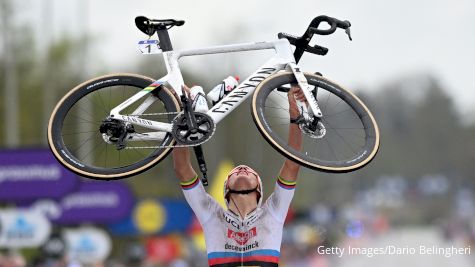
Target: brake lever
<point x="348" y="32"/>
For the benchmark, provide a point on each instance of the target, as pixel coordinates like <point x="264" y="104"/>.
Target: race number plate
<point x="150" y="47"/>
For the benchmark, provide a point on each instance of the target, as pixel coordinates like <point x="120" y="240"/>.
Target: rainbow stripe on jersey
<point x="190" y="184"/>
<point x="286" y="184"/>
<point x="261" y="257"/>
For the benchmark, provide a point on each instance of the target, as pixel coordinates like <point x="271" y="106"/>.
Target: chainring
<point x="185" y="136"/>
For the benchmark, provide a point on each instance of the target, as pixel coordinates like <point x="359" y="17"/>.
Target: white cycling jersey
<point x="230" y="241"/>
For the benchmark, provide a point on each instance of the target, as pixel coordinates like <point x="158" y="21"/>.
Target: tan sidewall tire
<point x="298" y="159"/>
<point x="96" y="175"/>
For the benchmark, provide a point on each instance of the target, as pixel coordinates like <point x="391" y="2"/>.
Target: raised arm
<point x="182" y="164"/>
<point x="290" y="169"/>
<point x="202" y="204"/>
<point x="279" y="201"/>
<point x="181" y="156"/>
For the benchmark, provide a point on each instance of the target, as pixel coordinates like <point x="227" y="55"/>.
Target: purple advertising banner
<point x="31" y="174"/>
<point x="93" y="202"/>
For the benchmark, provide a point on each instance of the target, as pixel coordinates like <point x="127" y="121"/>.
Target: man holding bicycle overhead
<point x="249" y="232"/>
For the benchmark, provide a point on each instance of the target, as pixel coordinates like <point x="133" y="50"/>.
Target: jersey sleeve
<point x="202" y="204"/>
<point x="279" y="201"/>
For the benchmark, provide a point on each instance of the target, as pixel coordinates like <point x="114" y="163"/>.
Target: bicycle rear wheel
<point x="350" y="139"/>
<point x="74" y="129"/>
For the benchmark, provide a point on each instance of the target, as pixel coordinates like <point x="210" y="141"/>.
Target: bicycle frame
<point x="283" y="59"/>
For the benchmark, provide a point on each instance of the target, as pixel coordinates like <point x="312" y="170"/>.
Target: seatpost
<point x="165" y="43"/>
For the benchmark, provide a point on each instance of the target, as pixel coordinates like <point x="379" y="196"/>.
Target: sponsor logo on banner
<point x="149" y="216"/>
<point x="32" y="174"/>
<point x="97" y="202"/>
<point x="154" y="216"/>
<point x="87" y="245"/>
<point x="242" y="238"/>
<point x="55" y="247"/>
<point x="23" y="228"/>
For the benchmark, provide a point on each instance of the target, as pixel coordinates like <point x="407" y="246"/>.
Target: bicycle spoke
<point x="100" y="99"/>
<point x="119" y="156"/>
<point x="94" y="148"/>
<point x="78" y="133"/>
<point x="278" y="104"/>
<point x="85" y="111"/>
<point x="105" y="158"/>
<point x="326" y="102"/>
<point x="331" y="149"/>
<point x="88" y="98"/>
<point x="110" y="96"/>
<point x="82" y="144"/>
<point x="279" y="124"/>
<point x="344" y="140"/>
<point x="82" y="122"/>
<point x="277" y="108"/>
<point x="338" y="103"/>
<point x="341" y="112"/>
<point x="282" y="118"/>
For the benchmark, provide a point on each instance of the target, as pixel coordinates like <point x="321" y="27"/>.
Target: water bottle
<point x="222" y="89"/>
<point x="199" y="101"/>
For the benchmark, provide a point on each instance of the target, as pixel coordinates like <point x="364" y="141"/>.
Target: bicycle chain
<point x="152" y="114"/>
<point x="155" y="147"/>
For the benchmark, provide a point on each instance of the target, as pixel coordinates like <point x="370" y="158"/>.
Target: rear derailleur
<point x="115" y="132"/>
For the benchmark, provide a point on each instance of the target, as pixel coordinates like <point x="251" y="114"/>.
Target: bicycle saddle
<point x="150" y="26"/>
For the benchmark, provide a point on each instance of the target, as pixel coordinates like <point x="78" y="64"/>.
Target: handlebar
<point x="334" y="24"/>
<point x="301" y="43"/>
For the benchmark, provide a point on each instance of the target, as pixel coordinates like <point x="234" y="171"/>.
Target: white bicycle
<point x="119" y="125"/>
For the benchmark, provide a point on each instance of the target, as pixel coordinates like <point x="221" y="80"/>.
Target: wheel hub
<point x="115" y="132"/>
<point x="315" y="129"/>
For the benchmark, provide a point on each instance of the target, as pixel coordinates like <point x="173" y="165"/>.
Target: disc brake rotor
<point x="313" y="130"/>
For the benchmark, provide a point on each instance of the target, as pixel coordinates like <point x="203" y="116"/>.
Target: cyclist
<point x="248" y="233"/>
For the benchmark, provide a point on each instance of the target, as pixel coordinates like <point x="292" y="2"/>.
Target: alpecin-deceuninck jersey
<point x="230" y="241"/>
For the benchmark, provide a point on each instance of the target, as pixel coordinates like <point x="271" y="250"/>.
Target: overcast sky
<point x="392" y="39"/>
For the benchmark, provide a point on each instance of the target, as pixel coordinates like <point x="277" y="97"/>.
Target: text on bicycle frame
<point x="243" y="90"/>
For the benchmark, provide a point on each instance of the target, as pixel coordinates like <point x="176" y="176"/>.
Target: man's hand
<point x="185" y="90"/>
<point x="295" y="93"/>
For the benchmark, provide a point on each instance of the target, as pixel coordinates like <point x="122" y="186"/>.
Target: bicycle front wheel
<point x="77" y="125"/>
<point x="347" y="137"/>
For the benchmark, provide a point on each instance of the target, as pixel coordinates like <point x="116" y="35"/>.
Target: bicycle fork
<point x="312" y="101"/>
